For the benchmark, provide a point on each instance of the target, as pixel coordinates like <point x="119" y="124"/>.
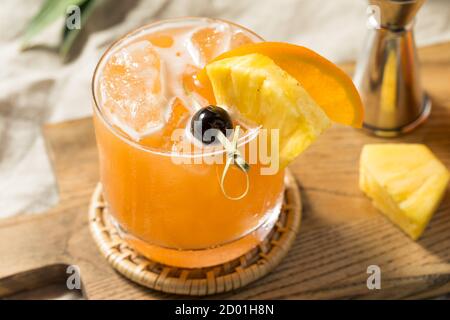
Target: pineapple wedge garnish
<point x="405" y="181"/>
<point x="267" y="95"/>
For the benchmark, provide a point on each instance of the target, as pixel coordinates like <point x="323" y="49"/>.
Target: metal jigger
<point x="387" y="74"/>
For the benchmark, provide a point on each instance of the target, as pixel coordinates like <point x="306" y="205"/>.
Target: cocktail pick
<point x="233" y="156"/>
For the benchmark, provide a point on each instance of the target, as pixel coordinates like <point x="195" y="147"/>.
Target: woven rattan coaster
<point x="205" y="281"/>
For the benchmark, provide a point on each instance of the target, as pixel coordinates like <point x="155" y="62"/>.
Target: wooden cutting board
<point x="341" y="234"/>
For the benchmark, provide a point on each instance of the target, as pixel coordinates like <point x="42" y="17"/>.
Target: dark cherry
<point x="207" y="121"/>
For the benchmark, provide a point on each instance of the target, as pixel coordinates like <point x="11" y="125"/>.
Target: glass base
<point x="205" y="257"/>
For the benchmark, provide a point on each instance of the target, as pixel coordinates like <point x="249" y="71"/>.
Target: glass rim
<point x="250" y="135"/>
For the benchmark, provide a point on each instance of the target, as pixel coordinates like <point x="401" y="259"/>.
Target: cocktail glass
<point x="170" y="205"/>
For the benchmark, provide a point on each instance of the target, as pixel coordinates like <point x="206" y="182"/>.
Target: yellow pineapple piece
<point x="267" y="95"/>
<point x="405" y="181"/>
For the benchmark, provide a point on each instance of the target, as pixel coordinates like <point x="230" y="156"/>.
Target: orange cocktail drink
<point x="169" y="203"/>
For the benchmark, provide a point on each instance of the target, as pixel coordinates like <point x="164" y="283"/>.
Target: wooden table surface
<point x="341" y="234"/>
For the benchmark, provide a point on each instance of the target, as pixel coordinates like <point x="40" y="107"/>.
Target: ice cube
<point x="206" y="43"/>
<point x="239" y="38"/>
<point x="132" y="89"/>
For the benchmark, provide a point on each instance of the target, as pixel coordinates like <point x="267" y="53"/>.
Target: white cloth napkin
<point x="37" y="88"/>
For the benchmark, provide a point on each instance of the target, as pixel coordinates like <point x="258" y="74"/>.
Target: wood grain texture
<point x="341" y="235"/>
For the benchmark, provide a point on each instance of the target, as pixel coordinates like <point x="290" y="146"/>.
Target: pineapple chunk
<point x="265" y="94"/>
<point x="405" y="181"/>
